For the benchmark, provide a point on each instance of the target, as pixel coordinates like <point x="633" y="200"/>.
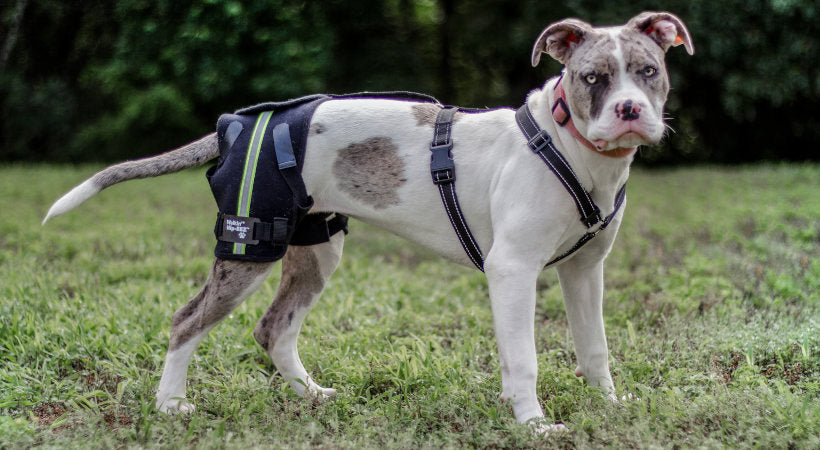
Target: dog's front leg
<point x="582" y="283"/>
<point x="512" y="295"/>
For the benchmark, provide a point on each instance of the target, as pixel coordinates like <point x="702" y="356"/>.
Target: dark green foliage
<point x="106" y="80"/>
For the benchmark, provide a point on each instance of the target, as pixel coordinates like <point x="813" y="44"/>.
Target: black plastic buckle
<point x="593" y="218"/>
<point x="539" y="141"/>
<point x="442" y="167"/>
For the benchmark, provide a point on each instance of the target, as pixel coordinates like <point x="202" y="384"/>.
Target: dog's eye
<point x="649" y="71"/>
<point x="591" y="79"/>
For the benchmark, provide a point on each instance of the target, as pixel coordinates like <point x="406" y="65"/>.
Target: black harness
<point x="442" y="169"/>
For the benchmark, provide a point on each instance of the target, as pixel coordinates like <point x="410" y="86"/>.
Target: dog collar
<point x="562" y="116"/>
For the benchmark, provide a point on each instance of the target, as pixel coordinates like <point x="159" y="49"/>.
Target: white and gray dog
<point x="615" y="85"/>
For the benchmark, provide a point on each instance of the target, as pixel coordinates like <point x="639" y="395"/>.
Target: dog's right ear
<point x="560" y="39"/>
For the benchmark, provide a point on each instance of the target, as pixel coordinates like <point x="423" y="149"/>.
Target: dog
<point x="368" y="159"/>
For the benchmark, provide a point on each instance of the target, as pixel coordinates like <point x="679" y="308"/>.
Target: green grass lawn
<point x="712" y="310"/>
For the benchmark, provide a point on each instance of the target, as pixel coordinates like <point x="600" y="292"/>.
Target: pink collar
<point x="562" y="116"/>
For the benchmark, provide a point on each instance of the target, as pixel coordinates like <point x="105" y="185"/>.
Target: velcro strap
<point x="283" y="146"/>
<point x="251" y="230"/>
<point x="237" y="229"/>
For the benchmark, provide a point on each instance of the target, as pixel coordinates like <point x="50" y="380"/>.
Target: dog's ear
<point x="560" y="39"/>
<point x="664" y="28"/>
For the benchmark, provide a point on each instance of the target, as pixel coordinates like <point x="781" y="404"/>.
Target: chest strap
<point x="541" y="144"/>
<point x="443" y="171"/>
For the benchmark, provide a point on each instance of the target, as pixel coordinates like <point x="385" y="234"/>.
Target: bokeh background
<point x="107" y="80"/>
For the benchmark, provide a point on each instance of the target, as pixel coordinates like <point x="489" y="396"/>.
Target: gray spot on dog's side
<point x="371" y="171"/>
<point x="194" y="154"/>
<point x="317" y="128"/>
<point x="220" y="295"/>
<point x="301" y="284"/>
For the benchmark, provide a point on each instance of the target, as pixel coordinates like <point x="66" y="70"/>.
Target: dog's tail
<point x="194" y="154"/>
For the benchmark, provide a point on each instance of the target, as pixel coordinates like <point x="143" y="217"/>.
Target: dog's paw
<point x="628" y="397"/>
<point x="319" y="393"/>
<point x="540" y="427"/>
<point x="312" y="390"/>
<point x="175" y="405"/>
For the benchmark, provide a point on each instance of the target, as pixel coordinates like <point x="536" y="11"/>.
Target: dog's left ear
<point x="664" y="28"/>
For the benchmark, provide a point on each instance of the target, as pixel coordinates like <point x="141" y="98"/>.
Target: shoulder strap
<point x="541" y="144"/>
<point x="443" y="171"/>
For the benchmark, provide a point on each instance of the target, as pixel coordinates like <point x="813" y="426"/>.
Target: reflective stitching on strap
<point x="550" y="154"/>
<point x="438" y="163"/>
<point x="469" y="235"/>
<point x="453" y="223"/>
<point x="530" y="129"/>
<point x="561" y="157"/>
<point x="249" y="172"/>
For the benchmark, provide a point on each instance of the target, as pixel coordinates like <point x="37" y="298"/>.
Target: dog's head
<point x="615" y="77"/>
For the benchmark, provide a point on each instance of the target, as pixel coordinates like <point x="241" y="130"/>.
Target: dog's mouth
<point x="622" y="145"/>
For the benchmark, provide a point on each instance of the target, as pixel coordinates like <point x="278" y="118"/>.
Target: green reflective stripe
<point x="249" y="173"/>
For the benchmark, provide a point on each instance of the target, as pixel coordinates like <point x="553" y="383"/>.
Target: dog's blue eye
<point x="649" y="71"/>
<point x="591" y="79"/>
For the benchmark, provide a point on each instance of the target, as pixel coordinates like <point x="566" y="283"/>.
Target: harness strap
<point x="619" y="201"/>
<point x="541" y="144"/>
<point x="443" y="171"/>
<point x="250" y="230"/>
<point x="286" y="159"/>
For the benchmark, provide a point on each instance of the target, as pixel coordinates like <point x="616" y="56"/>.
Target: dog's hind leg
<point x="228" y="284"/>
<point x="305" y="270"/>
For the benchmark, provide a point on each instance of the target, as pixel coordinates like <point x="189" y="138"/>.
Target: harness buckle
<point x="442" y="167"/>
<point x="593" y="218"/>
<point x="539" y="141"/>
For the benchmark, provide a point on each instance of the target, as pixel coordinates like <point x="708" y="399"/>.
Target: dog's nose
<point x="628" y="110"/>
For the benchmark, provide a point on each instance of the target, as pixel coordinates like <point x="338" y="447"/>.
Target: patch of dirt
<point x="790" y="374"/>
<point x="47" y="413"/>
<point x="726" y="370"/>
<point x="116" y="420"/>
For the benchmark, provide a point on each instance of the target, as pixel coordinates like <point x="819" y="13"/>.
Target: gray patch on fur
<point x="220" y="295"/>
<point x="317" y="128"/>
<point x="639" y="52"/>
<point x="301" y="284"/>
<point x="194" y="154"/>
<point x="371" y="171"/>
<point x="426" y="113"/>
<point x="594" y="56"/>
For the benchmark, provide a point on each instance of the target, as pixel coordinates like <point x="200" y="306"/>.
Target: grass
<point x="712" y="311"/>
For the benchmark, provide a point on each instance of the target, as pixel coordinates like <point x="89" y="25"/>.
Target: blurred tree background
<point x="103" y="80"/>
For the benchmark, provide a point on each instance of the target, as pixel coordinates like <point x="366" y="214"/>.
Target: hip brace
<point x="258" y="186"/>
